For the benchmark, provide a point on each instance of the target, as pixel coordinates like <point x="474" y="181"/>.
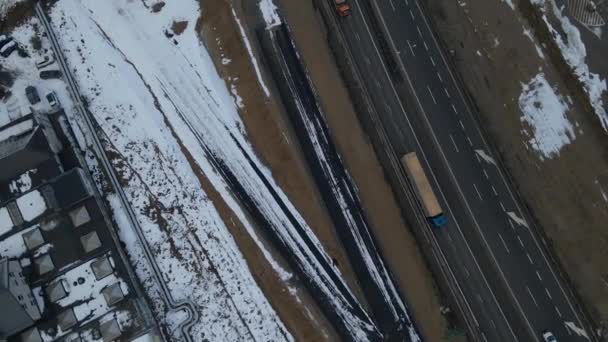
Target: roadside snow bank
<point x="545" y="112"/>
<point x="574" y="52"/>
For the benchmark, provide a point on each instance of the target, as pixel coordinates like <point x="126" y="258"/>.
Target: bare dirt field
<point x="564" y="192"/>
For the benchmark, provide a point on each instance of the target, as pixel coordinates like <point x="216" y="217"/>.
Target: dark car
<point x="46" y="74"/>
<point x="32" y="94"/>
<point x="8" y="48"/>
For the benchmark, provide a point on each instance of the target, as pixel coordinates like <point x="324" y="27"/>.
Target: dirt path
<point x="396" y="241"/>
<point x="564" y="192"/>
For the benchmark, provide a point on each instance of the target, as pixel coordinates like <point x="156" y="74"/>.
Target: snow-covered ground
<point x="155" y="97"/>
<point x="544" y="111"/>
<point x="568" y="39"/>
<point x="137" y="83"/>
<point x="7" y="5"/>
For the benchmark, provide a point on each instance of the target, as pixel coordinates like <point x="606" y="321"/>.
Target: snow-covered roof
<point x="84" y="293"/>
<point x="17" y="129"/>
<point x="31" y="205"/>
<point x="6" y="223"/>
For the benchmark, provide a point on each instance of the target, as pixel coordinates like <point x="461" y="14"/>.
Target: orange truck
<point x="342" y="7"/>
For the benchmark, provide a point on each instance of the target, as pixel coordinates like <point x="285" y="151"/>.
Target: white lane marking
<point x="454" y="143"/>
<point x="479" y="297"/>
<point x="450" y="238"/>
<point x="378" y="83"/>
<point x="432" y="60"/>
<point x="478" y="160"/>
<point x="493" y="188"/>
<point x="412" y="15"/>
<point x="484" y="336"/>
<point x="461" y="124"/>
<point x="367" y="60"/>
<point x="493" y="324"/>
<point x="511" y="224"/>
<point x="477" y="191"/>
<point x="357" y="36"/>
<point x="407" y="3"/>
<point x="520" y="241"/>
<point x="466" y="272"/>
<point x="502" y="176"/>
<point x="446" y="92"/>
<point x="434" y="177"/>
<point x="419" y="32"/>
<point x="548" y="293"/>
<point x="538" y="275"/>
<point x="470" y="141"/>
<point x="454" y="108"/>
<point x="504" y="243"/>
<point x="532" y="296"/>
<point x="558" y="312"/>
<point x="392" y="5"/>
<point x="438" y="75"/>
<point x="529" y="258"/>
<point x="487" y="176"/>
<point x="426" y="47"/>
<point x="502" y="206"/>
<point x="411" y="49"/>
<point x="430" y="92"/>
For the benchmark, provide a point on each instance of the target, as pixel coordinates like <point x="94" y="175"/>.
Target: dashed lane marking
<point x="430" y="92"/>
<point x="454" y="143"/>
<point x="532" y="296"/>
<point x="504" y="243"/>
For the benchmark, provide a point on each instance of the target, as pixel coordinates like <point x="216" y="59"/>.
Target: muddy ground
<point x="563" y="192"/>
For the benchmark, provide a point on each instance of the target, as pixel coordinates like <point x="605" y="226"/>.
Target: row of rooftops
<point x="62" y="277"/>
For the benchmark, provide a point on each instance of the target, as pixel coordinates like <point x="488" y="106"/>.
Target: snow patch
<point x="520" y="221"/>
<point x="545" y="112"/>
<point x="6" y="223"/>
<point x="539" y="51"/>
<point x="31" y="205"/>
<point x="254" y="61"/>
<point x="574" y="52"/>
<point x="483" y="155"/>
<point x="6" y="6"/>
<point x="269" y="12"/>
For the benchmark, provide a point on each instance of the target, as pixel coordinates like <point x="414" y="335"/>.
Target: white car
<point x="549" y="337"/>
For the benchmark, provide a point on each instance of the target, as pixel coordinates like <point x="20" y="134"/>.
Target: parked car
<point x="8" y="48"/>
<point x="46" y="74"/>
<point x="549" y="337"/>
<point x="51" y="98"/>
<point x="32" y="94"/>
<point x="4" y="39"/>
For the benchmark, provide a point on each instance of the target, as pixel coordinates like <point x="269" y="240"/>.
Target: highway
<point x="509" y="284"/>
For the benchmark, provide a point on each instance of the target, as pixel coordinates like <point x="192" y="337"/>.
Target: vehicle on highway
<point x="51" y="98"/>
<point x="342" y="7"/>
<point x="549" y="337"/>
<point x="46" y="74"/>
<point x="425" y="193"/>
<point x="8" y="48"/>
<point x="32" y="94"/>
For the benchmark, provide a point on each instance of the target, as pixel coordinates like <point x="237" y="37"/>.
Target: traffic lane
<point x="415" y="36"/>
<point x="366" y="64"/>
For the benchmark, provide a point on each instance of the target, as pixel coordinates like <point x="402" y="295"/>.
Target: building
<point x="63" y="276"/>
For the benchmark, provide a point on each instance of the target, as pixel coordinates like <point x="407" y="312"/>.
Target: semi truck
<point x="342" y="7"/>
<point x="430" y="204"/>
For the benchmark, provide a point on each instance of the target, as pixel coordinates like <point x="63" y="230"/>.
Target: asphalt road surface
<point x="511" y="288"/>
